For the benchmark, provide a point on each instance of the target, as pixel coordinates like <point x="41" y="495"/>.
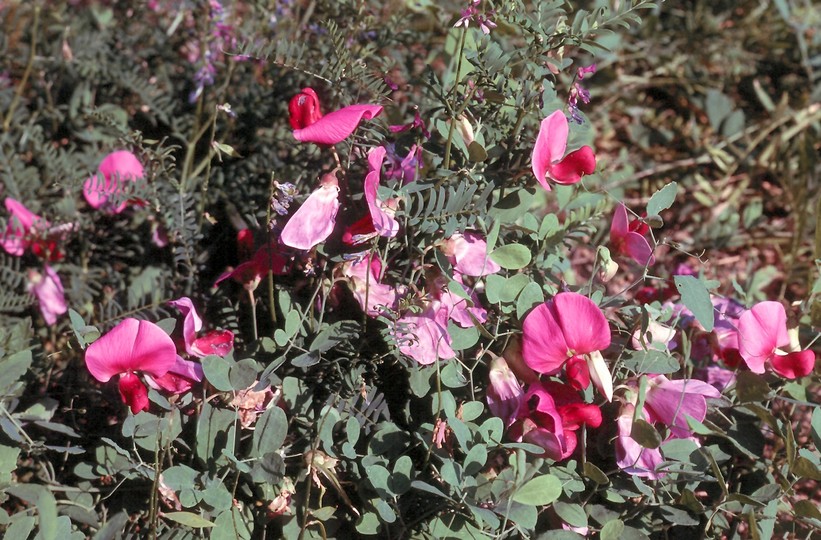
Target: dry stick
<point x="18" y="93"/>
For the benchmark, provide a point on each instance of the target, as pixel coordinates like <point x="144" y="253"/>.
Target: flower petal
<point x="314" y="222"/>
<point x="574" y="165"/>
<point x="543" y="345"/>
<point x="794" y="365"/>
<point x="423" y="338"/>
<point x="761" y="330"/>
<point x="191" y="321"/>
<point x="216" y="342"/>
<point x="470" y="255"/>
<point x="132" y="345"/>
<point x="638" y="248"/>
<point x="383" y="223"/>
<point x="671" y="402"/>
<point x="550" y="145"/>
<point x="50" y="294"/>
<point x="133" y="392"/>
<point x="583" y="324"/>
<point x="337" y="126"/>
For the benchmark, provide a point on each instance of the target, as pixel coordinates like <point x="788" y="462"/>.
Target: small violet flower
<point x="311" y="126"/>
<point x="130" y="347"/>
<point x="568" y="332"/>
<point x="628" y="238"/>
<point x="548" y="159"/>
<point x="763" y="337"/>
<point x="116" y="169"/>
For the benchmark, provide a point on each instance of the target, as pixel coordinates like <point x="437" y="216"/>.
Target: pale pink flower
<point x="130" y="347"/>
<point x="548" y="157"/>
<point x="424" y="336"/>
<point x="505" y="395"/>
<point x="381" y="213"/>
<point x="672" y="402"/>
<point x="314" y="222"/>
<point x="632" y="457"/>
<point x="468" y="254"/>
<point x="763" y="337"/>
<point x="49" y="291"/>
<point x="116" y="169"/>
<point x="364" y="277"/>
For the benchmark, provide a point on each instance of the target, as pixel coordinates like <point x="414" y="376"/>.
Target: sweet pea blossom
<point x="548" y="159"/>
<point x="424" y="336"/>
<point x="671" y="402"/>
<point x="217" y="342"/>
<point x="763" y="337"/>
<point x="468" y="254"/>
<point x="632" y="457"/>
<point x="130" y="347"/>
<point x="505" y="395"/>
<point x="116" y="169"/>
<point x="311" y="126"/>
<point x="627" y="238"/>
<point x="48" y="289"/>
<point x="314" y="222"/>
<point x="26" y="230"/>
<point x="364" y="277"/>
<point x="569" y="332"/>
<point x="381" y="213"/>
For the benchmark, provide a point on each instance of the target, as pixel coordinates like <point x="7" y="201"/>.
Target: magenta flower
<point x="671" y="402"/>
<point x="763" y="337"/>
<point x="632" y="457"/>
<point x="217" y="342"/>
<point x="468" y="254"/>
<point x="180" y="377"/>
<point x="550" y="415"/>
<point x="130" y="347"/>
<point x="381" y="213"/>
<point x="569" y="330"/>
<point x="403" y="169"/>
<point x="628" y="238"/>
<point x="314" y="221"/>
<point x="49" y="292"/>
<point x="548" y="157"/>
<point x="116" y="169"/>
<point x="26" y="230"/>
<point x="310" y="126"/>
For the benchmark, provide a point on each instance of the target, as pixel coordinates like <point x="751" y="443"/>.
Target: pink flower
<point x="416" y="123"/>
<point x="28" y="231"/>
<point x="455" y="304"/>
<point x="310" y="126"/>
<point x="671" y="402"/>
<point x="632" y="457"/>
<point x="468" y="254"/>
<point x="763" y="337"/>
<point x="364" y="281"/>
<point x="424" y="336"/>
<point x="314" y="221"/>
<point x="130" y="347"/>
<point x="548" y="157"/>
<point x="180" y="377"/>
<point x="382" y="215"/>
<point x="217" y="342"/>
<point x="569" y="329"/>
<point x="116" y="168"/>
<point x="250" y="273"/>
<point x="49" y="292"/>
<point x="628" y="239"/>
<point x="505" y="395"/>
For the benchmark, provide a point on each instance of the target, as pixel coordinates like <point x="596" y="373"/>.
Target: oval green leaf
<point x="540" y="491"/>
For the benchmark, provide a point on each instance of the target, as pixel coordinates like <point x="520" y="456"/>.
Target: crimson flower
<point x="130" y="347"/>
<point x="116" y="169"/>
<point x="627" y="238"/>
<point x="568" y="332"/>
<point x="763" y="337"/>
<point x="548" y="157"/>
<point x="28" y="231"/>
<point x="310" y="126"/>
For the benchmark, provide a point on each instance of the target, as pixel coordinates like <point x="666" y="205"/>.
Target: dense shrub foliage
<point x="474" y="269"/>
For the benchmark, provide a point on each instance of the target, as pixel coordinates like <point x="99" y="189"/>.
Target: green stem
<point x="461" y="51"/>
